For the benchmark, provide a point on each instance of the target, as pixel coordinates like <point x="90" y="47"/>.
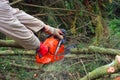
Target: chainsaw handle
<point x="64" y="35"/>
<point x="64" y="32"/>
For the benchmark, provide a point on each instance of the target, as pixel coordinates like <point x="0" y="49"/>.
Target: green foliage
<point x="115" y="26"/>
<point x="69" y="4"/>
<point x="79" y="21"/>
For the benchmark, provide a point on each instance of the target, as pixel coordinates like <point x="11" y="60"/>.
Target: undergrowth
<point x="66" y="69"/>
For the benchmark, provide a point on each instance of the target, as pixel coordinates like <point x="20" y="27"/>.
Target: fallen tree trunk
<point x="11" y="52"/>
<point x="90" y="49"/>
<point x="33" y="53"/>
<point x="95" y="49"/>
<point x="9" y="43"/>
<point x="104" y="70"/>
<point x="107" y="69"/>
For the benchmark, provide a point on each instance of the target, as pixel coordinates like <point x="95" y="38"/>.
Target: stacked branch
<point x="104" y="70"/>
<point x="90" y="49"/>
<point x="74" y="17"/>
<point x="9" y="43"/>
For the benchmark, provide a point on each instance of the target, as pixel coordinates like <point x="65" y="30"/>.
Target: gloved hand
<point x="54" y="31"/>
<point x="42" y="50"/>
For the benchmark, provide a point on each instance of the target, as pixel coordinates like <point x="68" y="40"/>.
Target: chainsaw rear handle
<point x="64" y="32"/>
<point x="64" y="35"/>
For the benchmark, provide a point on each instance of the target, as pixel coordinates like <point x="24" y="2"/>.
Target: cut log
<point x="104" y="70"/>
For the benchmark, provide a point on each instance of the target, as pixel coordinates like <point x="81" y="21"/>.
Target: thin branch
<point x="46" y="14"/>
<point x="61" y="9"/>
<point x="37" y="67"/>
<point x="84" y="68"/>
<point x="15" y="2"/>
<point x="116" y="44"/>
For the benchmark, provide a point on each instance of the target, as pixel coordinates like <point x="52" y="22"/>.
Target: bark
<point x="90" y="49"/>
<point x="32" y="53"/>
<point x="111" y="68"/>
<point x="9" y="43"/>
<point x="104" y="70"/>
<point x="11" y="52"/>
<point x="95" y="49"/>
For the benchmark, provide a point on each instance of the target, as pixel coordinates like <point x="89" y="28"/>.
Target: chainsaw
<point x="56" y="49"/>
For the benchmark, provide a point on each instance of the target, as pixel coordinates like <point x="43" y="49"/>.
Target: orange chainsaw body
<point x="51" y="56"/>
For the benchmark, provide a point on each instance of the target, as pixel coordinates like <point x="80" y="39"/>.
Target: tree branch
<point x="95" y="49"/>
<point x="62" y="9"/>
<point x="11" y="52"/>
<point x="104" y="70"/>
<point x="90" y="49"/>
<point x="36" y="67"/>
<point x="9" y="43"/>
<point x="15" y="2"/>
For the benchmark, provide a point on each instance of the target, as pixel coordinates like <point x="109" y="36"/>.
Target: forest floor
<point x="70" y="68"/>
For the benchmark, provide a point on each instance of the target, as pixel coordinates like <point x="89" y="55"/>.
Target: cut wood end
<point x="117" y="78"/>
<point x="118" y="58"/>
<point x="35" y="75"/>
<point x="111" y="70"/>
